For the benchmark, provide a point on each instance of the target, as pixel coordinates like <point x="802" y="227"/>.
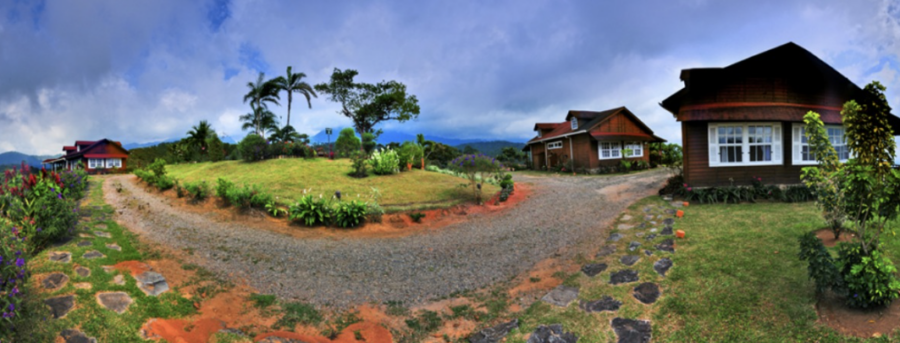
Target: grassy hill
<point x="287" y="178"/>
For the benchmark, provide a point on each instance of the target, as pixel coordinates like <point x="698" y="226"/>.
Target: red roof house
<point x="101" y="157"/>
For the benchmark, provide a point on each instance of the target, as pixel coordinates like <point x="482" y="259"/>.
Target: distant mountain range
<point x="129" y="146"/>
<point x="16" y="158"/>
<point x="399" y="137"/>
<point x="492" y="148"/>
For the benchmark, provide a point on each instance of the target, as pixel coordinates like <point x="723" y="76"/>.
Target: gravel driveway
<point x="343" y="272"/>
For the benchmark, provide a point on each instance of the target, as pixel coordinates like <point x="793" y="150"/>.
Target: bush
<point x="410" y="153"/>
<point x="869" y="280"/>
<point x="158" y="167"/>
<point x="360" y="162"/>
<point x="239" y="196"/>
<point x="275" y="149"/>
<point x="385" y="162"/>
<point x="507" y="182"/>
<point x="368" y="142"/>
<point x="374" y="212"/>
<point x="673" y="185"/>
<point x="252" y="148"/>
<point x="476" y="168"/>
<point x="197" y="190"/>
<point x="311" y="211"/>
<point x="164" y="182"/>
<point x="821" y="265"/>
<point x="349" y="213"/>
<point x="222" y="187"/>
<point x="258" y="198"/>
<point x="14" y="251"/>
<point x="216" y="148"/>
<point x="625" y="165"/>
<point x="347" y="142"/>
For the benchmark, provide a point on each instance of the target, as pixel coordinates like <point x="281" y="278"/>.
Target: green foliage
<point x="668" y="155"/>
<point x="868" y="132"/>
<point x="368" y="142"/>
<point x="222" y="187"/>
<point x="158" y="168"/>
<point x="298" y="313"/>
<point x="349" y="213"/>
<point x="197" y="190"/>
<point x="262" y="301"/>
<point x="274" y="209"/>
<point x="240" y="196"/>
<point x="625" y="164"/>
<point x="441" y="154"/>
<point x="825" y="179"/>
<point x="476" y="168"/>
<point x="417" y="216"/>
<point x="821" y="267"/>
<point x="385" y="162"/>
<point x="310" y="210"/>
<point x="216" y="149"/>
<point x="869" y="279"/>
<point x="346" y="143"/>
<point x="369" y="104"/>
<point x="410" y="153"/>
<point x="737" y="194"/>
<point x="360" y="164"/>
<point x="252" y="148"/>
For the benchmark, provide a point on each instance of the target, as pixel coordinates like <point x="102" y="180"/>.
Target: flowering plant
<point x="475" y="167"/>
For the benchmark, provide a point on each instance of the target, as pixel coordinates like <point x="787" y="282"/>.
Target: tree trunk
<point x="290" y="98"/>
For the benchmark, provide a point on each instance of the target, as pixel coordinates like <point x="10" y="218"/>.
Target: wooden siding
<point x="767" y="89"/>
<point x="619" y="123"/>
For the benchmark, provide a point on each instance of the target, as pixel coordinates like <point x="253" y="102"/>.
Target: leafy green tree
<point x="216" y="148"/>
<point x="368" y="142"/>
<point x="469" y="150"/>
<point x="346" y="143"/>
<point x="511" y="155"/>
<point x="262" y="92"/>
<point x="369" y="104"/>
<point x="410" y="153"/>
<point x="869" y="135"/>
<point x="260" y="121"/>
<point x="827" y="177"/>
<point x="199" y="134"/>
<point x="288" y="134"/>
<point x="441" y="154"/>
<point x="291" y="83"/>
<point x="252" y="148"/>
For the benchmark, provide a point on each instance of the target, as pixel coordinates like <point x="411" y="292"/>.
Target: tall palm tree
<point x="198" y="135"/>
<point x="288" y="134"/>
<point x="262" y="92"/>
<point x="260" y="121"/>
<point x="294" y="83"/>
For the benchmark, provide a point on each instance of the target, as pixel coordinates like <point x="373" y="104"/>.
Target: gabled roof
<point x="545" y="126"/>
<point x="591" y="120"/>
<point x="96" y="148"/>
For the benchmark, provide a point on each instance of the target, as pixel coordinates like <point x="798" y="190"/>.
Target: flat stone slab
<point x="670" y="211"/>
<point x="61" y="305"/>
<point x="648" y="252"/>
<point x="100" y="226"/>
<point x="614" y="237"/>
<point x="647" y="209"/>
<point x="102" y="234"/>
<point x="653" y="230"/>
<point x="666" y="245"/>
<point x="666" y="231"/>
<point x="117" y="302"/>
<point x="75" y="336"/>
<point x="662" y="266"/>
<point x="552" y="334"/>
<point x="152" y="283"/>
<point x="84" y="244"/>
<point x="669" y="221"/>
<point x="634" y="245"/>
<point x="494" y="334"/>
<point x="115" y="247"/>
<point x="61" y="256"/>
<point x="561" y="296"/>
<point x="629" y="260"/>
<point x="649" y="217"/>
<point x="632" y="330"/>
<point x="624" y="226"/>
<point x="639" y="234"/>
<point x="84" y="235"/>
<point x="108" y="269"/>
<point x="593" y="269"/>
<point x="83" y="285"/>
<point x="82" y="271"/>
<point x="647" y="292"/>
<point x="93" y="254"/>
<point x="623" y="276"/>
<point x="119" y="280"/>
<point x="54" y="281"/>
<point x="650" y="237"/>
<point x="606" y="303"/>
<point x="606" y="251"/>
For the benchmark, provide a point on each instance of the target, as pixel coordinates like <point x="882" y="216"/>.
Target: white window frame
<point x="95" y="163"/>
<point x="714" y="145"/>
<point x="614" y="149"/>
<point x="637" y="149"/>
<point x="554" y="145"/>
<point x="798" y="136"/>
<point x="114" y="163"/>
<point x="574" y="123"/>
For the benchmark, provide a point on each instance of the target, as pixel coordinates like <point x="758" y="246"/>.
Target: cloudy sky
<point x="139" y="71"/>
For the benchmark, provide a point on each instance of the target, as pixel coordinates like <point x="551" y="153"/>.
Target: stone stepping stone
<point x="90" y="255"/>
<point x="642" y="225"/>
<point x="632" y="330"/>
<point x="649" y="217"/>
<point x="606" y="251"/>
<point x="653" y="223"/>
<point x="662" y="266"/>
<point x="84" y="244"/>
<point x="670" y="211"/>
<point x="75" y="336"/>
<point x="614" y="237"/>
<point x="494" y="334"/>
<point x="102" y="234"/>
<point x="593" y="269"/>
<point x="669" y="221"/>
<point x="117" y="302"/>
<point x="119" y="280"/>
<point x="666" y="245"/>
<point x="653" y="230"/>
<point x="83" y="285"/>
<point x="152" y="283"/>
<point x="607" y="303"/>
<point x="61" y="305"/>
<point x="626" y="217"/>
<point x="666" y="231"/>
<point x="634" y="245"/>
<point x="84" y="235"/>
<point x="624" y="226"/>
<point x="647" y="209"/>
<point x="82" y="271"/>
<point x="646" y="292"/>
<point x="650" y="237"/>
<point x="648" y="252"/>
<point x="100" y="226"/>
<point x="115" y="247"/>
<point x="54" y="281"/>
<point x="623" y="276"/>
<point x="61" y="256"/>
<point x="108" y="269"/>
<point x="639" y="234"/>
<point x="551" y="334"/>
<point x="561" y="296"/>
<point x="629" y="260"/>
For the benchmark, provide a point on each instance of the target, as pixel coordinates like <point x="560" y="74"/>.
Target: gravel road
<point x="344" y="272"/>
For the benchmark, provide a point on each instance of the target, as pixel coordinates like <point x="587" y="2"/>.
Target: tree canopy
<point x="369" y="104"/>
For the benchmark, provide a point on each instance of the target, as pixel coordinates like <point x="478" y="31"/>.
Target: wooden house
<point x="96" y="157"/>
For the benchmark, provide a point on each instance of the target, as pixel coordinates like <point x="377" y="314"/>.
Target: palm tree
<point x="288" y="134"/>
<point x="198" y="135"/>
<point x="262" y="92"/>
<point x="294" y="83"/>
<point x="260" y="121"/>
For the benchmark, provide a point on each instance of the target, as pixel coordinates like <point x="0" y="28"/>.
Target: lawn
<point x="287" y="178"/>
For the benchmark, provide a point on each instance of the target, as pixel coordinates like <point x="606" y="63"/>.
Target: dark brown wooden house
<point x="745" y="120"/>
<point x="591" y="140"/>
<point x="97" y="157"/>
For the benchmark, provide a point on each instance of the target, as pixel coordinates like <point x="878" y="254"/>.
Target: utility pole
<point x="328" y="134"/>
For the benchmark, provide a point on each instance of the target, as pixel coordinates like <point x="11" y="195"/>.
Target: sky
<point x="142" y="71"/>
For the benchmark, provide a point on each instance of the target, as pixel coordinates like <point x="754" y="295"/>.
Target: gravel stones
<point x="561" y="296"/>
<point x="61" y="256"/>
<point x="662" y="266"/>
<point x="152" y="283"/>
<point x="54" y="281"/>
<point x="551" y="334"/>
<point x="646" y="292"/>
<point x="82" y="271"/>
<point x="606" y="251"/>
<point x="623" y="276"/>
<point x="634" y="245"/>
<point x="670" y="211"/>
<point x="632" y="330"/>
<point x="626" y="217"/>
<point x="61" y="305"/>
<point x="593" y="269"/>
<point x="84" y="244"/>
<point x="629" y="260"/>
<point x="650" y="237"/>
<point x="666" y="231"/>
<point x="666" y="245"/>
<point x="606" y="303"/>
<point x="93" y="254"/>
<point x="494" y="334"/>
<point x="102" y="234"/>
<point x="625" y="226"/>
<point x="614" y="237"/>
<point x="75" y="336"/>
<point x="668" y="221"/>
<point x="114" y="246"/>
<point x="117" y="302"/>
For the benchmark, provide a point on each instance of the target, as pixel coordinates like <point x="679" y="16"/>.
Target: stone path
<point x="552" y="334"/>
<point x="561" y="296"/>
<point x="55" y="281"/>
<point x="117" y="302"/>
<point x="606" y="303"/>
<point x="631" y="330"/>
<point x="61" y="305"/>
<point x="152" y="283"/>
<point x="494" y="334"/>
<point x="75" y="336"/>
<point x="593" y="269"/>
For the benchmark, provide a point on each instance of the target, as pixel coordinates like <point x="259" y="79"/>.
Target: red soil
<point x="368" y="332"/>
<point x="132" y="267"/>
<point x="827" y="237"/>
<point x="855" y="322"/>
<point x="182" y="331"/>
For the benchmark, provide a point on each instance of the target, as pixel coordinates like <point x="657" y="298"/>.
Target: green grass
<point x="287" y="178"/>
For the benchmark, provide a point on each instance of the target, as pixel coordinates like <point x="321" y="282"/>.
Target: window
<point x="555" y="145"/>
<point x="574" y="123"/>
<point x="744" y="144"/>
<point x="634" y="149"/>
<point x="803" y="155"/>
<point x="94" y="163"/>
<point x="114" y="163"/>
<point x="610" y="150"/>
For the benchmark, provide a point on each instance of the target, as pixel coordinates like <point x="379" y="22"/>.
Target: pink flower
<point x="689" y="189"/>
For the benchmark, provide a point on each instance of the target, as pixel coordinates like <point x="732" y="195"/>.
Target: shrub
<point x="258" y="198"/>
<point x="311" y="211"/>
<point x="274" y="209"/>
<point x="410" y="153"/>
<point x="197" y="190"/>
<point x="507" y="182"/>
<point x="349" y="213"/>
<point x="821" y="265"/>
<point x="222" y="187"/>
<point x="476" y="168"/>
<point x="385" y="162"/>
<point x="164" y="182"/>
<point x="252" y="148"/>
<point x="346" y="142"/>
<point x="216" y="148"/>
<point x="374" y="212"/>
<point x="13" y="252"/>
<point x="158" y="167"/>
<point x="674" y="185"/>
<point x="504" y="194"/>
<point x="360" y="162"/>
<point x="179" y="190"/>
<point x="869" y="280"/>
<point x="239" y="196"/>
<point x="416" y="216"/>
<point x="368" y="142"/>
<point x="625" y="165"/>
<point x="275" y="149"/>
